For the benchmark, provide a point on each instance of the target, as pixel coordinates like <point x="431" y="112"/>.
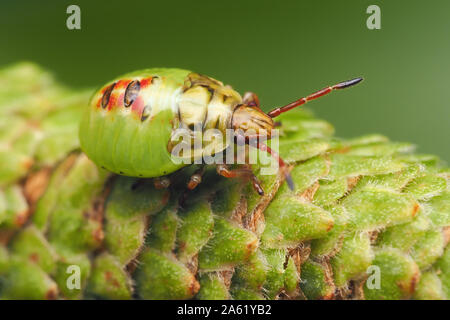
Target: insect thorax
<point x="205" y="106"/>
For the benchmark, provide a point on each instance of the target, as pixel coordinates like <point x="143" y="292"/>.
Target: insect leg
<point x="244" y="171"/>
<point x="251" y="99"/>
<point x="196" y="178"/>
<point x="342" y="85"/>
<point x="282" y="165"/>
<point x="161" y="182"/>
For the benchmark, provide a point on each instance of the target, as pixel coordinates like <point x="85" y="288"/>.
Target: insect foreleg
<point x="244" y="171"/>
<point x="161" y="182"/>
<point x="196" y="178"/>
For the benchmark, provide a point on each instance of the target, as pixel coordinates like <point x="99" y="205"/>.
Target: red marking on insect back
<point x="103" y="90"/>
<point x="120" y="99"/>
<point x="138" y="106"/>
<point x="122" y="84"/>
<point x="112" y="100"/>
<point x="146" y="82"/>
<point x="116" y="99"/>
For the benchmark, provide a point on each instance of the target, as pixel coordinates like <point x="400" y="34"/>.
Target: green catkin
<point x="361" y="207"/>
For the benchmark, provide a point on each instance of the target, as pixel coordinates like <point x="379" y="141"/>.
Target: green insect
<point x="129" y="124"/>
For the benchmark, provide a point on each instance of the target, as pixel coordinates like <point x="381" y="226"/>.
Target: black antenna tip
<point x="348" y="83"/>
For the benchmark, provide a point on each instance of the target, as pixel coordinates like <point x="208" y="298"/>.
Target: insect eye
<point x="131" y="93"/>
<point x="107" y="95"/>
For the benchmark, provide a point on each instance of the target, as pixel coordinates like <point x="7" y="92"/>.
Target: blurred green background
<point x="281" y="50"/>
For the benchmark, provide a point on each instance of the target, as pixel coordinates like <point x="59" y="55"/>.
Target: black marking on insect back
<point x="205" y="118"/>
<point x="226" y="97"/>
<point x="146" y="113"/>
<point x="131" y="93"/>
<point x="107" y="95"/>
<point x="179" y="117"/>
<point x="154" y="78"/>
<point x="210" y="90"/>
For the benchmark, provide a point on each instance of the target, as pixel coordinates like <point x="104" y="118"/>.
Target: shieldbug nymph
<point x="128" y="125"/>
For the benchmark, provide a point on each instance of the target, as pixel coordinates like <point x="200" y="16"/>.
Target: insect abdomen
<point x="129" y="122"/>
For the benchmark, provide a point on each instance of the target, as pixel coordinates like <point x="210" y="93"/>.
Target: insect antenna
<point x="342" y="85"/>
<point x="283" y="167"/>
